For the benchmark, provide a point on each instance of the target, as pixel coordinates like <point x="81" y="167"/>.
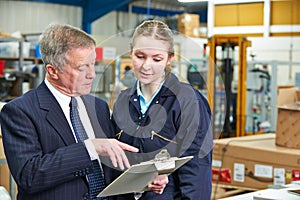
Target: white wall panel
<point x="106" y="25"/>
<point x="32" y="17"/>
<point x="281" y="49"/>
<point x="116" y="22"/>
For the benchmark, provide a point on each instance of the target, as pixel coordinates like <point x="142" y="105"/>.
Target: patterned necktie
<point x="96" y="180"/>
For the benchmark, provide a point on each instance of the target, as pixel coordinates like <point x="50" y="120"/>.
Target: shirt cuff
<point x="91" y="149"/>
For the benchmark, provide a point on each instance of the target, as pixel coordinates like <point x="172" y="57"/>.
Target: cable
<point x="251" y="175"/>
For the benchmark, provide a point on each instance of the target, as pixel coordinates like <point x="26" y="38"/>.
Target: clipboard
<point x="137" y="177"/>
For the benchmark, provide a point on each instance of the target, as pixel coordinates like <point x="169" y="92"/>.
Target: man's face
<point x="77" y="75"/>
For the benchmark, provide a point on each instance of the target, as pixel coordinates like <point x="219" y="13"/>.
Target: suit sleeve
<point x="38" y="158"/>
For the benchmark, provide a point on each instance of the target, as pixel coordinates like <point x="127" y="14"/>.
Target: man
<point x="53" y="153"/>
<point x="128" y="79"/>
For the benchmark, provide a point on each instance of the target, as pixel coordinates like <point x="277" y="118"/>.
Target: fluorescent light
<point x="188" y="1"/>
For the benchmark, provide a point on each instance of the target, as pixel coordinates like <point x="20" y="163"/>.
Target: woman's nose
<point x="147" y="64"/>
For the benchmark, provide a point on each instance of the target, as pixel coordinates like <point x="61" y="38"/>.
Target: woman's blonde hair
<point x="158" y="30"/>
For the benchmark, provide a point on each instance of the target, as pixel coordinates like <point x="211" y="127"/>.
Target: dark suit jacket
<point x="41" y="152"/>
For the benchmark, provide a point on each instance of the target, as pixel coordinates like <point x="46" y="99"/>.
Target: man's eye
<point x="82" y="67"/>
<point x="157" y="60"/>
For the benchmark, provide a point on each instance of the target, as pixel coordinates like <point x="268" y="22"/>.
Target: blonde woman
<point x="160" y="112"/>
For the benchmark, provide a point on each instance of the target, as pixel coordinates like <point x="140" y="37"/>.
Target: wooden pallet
<point x="221" y="191"/>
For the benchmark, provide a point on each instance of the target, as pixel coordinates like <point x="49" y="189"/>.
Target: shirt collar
<point x="138" y="89"/>
<point x="60" y="97"/>
<point x="143" y="104"/>
<point x="139" y="92"/>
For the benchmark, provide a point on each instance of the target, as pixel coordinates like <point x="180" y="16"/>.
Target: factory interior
<point x="242" y="55"/>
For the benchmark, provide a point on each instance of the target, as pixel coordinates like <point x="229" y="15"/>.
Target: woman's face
<point x="150" y="58"/>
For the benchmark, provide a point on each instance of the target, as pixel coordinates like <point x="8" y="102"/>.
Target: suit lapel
<point x="90" y="106"/>
<point x="55" y="115"/>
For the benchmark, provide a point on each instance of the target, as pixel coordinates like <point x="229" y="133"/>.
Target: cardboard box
<point x="288" y="118"/>
<point x="189" y="25"/>
<point x="5" y="176"/>
<point x="254" y="162"/>
<point x="4" y="171"/>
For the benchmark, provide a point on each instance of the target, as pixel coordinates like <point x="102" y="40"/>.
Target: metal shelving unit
<point x="12" y="79"/>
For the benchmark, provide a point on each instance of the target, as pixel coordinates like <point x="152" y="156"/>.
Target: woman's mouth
<point x="145" y="74"/>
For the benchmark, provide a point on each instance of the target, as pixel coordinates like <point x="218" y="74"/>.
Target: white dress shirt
<point x="64" y="102"/>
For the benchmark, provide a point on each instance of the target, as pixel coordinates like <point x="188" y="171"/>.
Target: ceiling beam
<point x="155" y="12"/>
<point x="94" y="9"/>
<point x="62" y="2"/>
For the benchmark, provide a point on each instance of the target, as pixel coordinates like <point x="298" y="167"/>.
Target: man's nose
<point x="91" y="72"/>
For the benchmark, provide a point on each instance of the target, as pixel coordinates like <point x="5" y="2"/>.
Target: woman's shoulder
<point x="181" y="87"/>
<point x="185" y="91"/>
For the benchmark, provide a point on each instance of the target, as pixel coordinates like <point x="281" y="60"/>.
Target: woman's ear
<point x="170" y="59"/>
<point x="130" y="49"/>
<point x="131" y="52"/>
<point x="52" y="71"/>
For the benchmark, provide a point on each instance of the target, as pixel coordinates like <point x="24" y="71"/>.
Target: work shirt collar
<point x="145" y="105"/>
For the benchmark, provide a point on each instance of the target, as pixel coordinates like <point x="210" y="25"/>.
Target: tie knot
<point x="73" y="103"/>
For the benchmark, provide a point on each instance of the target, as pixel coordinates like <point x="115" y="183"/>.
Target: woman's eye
<point x="140" y="56"/>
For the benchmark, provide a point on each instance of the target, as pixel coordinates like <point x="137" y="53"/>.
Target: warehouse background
<point x="32" y="17"/>
<point x="275" y="43"/>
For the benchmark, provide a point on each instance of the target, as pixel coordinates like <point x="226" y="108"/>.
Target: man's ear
<point x="52" y="71"/>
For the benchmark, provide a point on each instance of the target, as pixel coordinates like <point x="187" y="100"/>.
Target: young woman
<point x="160" y="112"/>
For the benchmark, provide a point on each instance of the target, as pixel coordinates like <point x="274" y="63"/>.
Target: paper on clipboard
<point x="137" y="177"/>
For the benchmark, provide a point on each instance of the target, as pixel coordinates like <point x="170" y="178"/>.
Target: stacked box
<point x="189" y="25"/>
<point x="288" y="118"/>
<point x="254" y="162"/>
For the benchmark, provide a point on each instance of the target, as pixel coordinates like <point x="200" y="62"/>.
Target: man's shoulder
<point x="27" y="97"/>
<point x="27" y="101"/>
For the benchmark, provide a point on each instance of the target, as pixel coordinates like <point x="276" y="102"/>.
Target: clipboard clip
<point x="163" y="162"/>
<point x="162" y="155"/>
